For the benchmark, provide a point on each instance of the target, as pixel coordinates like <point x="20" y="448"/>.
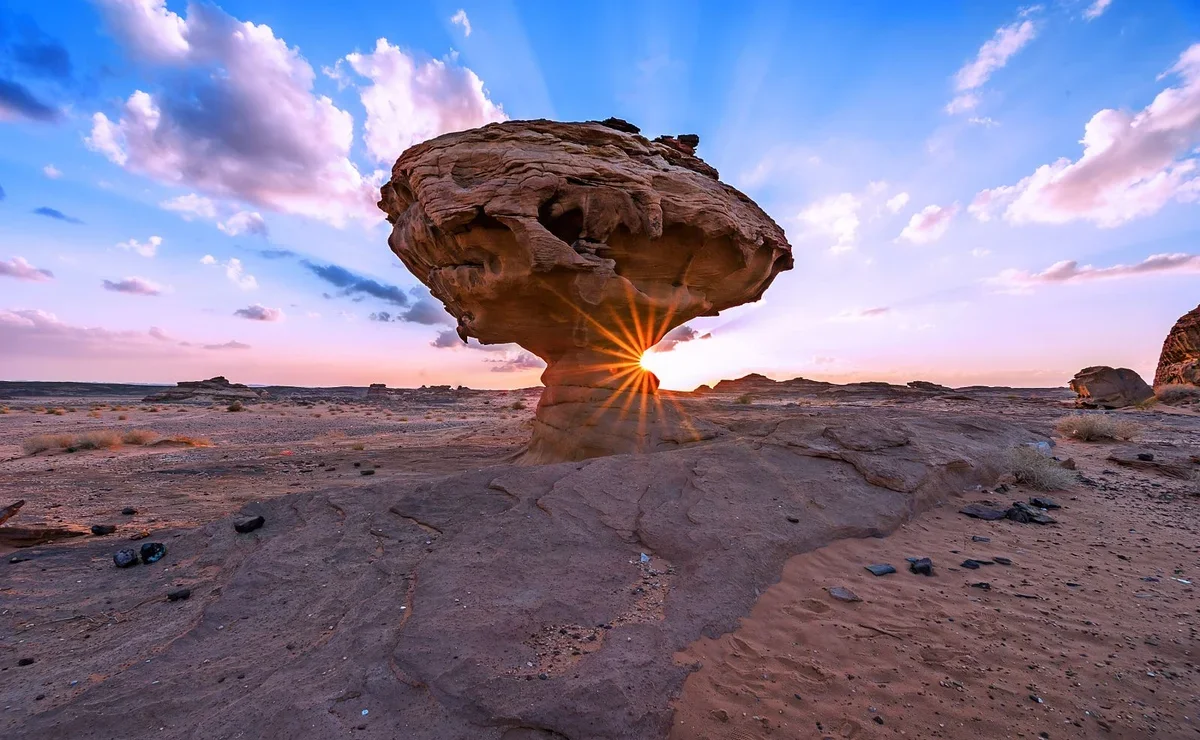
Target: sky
<point x="975" y="193"/>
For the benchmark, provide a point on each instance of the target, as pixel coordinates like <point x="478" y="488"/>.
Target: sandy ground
<point x="268" y="450"/>
<point x="1093" y="631"/>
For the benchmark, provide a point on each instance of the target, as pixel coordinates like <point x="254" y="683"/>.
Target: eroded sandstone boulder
<point x="585" y="243"/>
<point x="217" y="389"/>
<point x="1109" y="388"/>
<point x="1180" y="358"/>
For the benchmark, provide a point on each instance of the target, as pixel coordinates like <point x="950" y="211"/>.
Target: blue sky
<point x="187" y="189"/>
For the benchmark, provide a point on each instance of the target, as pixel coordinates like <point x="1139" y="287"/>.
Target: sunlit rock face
<point x="584" y="243"/>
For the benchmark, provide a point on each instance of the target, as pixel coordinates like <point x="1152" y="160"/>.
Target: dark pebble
<point x="125" y="558"/>
<point x="1145" y="456"/>
<point x="39" y="697"/>
<point x="1043" y="503"/>
<point x="1002" y="560"/>
<point x="921" y="566"/>
<point x="366" y="472"/>
<point x="983" y="585"/>
<point x="152" y="552"/>
<point x="102" y="529"/>
<point x="981" y="511"/>
<point x="793" y="520"/>
<point x="18" y="559"/>
<point x="977" y="538"/>
<point x="544" y="676"/>
<point x="880" y="569"/>
<point x="878" y="720"/>
<point x="843" y="594"/>
<point x="128" y="511"/>
<point x="970" y="564"/>
<point x="25" y="661"/>
<point x="179" y="594"/>
<point x="249" y="525"/>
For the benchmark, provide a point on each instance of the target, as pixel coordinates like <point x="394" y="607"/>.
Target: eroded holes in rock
<point x="567" y="225"/>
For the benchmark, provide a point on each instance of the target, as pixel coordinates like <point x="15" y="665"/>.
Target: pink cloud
<point x="1069" y="271"/>
<point x="929" y="224"/>
<point x="20" y="269"/>
<point x="1132" y="164"/>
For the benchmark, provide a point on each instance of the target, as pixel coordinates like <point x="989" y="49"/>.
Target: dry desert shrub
<point x="122" y="417"/>
<point x="358" y="446"/>
<point x="1177" y="393"/>
<point x="3" y="409"/>
<point x="42" y="442"/>
<point x="97" y="439"/>
<point x="56" y="412"/>
<point x="1037" y="470"/>
<point x="153" y="409"/>
<point x="235" y="406"/>
<point x="745" y="399"/>
<point x="1095" y="427"/>
<point x="139" y="437"/>
<point x="518" y="405"/>
<point x="94" y="414"/>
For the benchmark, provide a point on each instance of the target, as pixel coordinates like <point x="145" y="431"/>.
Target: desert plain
<point x="414" y="579"/>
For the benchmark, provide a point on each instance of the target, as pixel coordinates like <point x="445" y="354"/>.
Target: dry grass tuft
<point x="94" y="414"/>
<point x="358" y="446"/>
<point x="43" y="442"/>
<point x="235" y="406"/>
<point x="191" y="441"/>
<point x="56" y="412"/>
<point x="518" y="405"/>
<point x="1177" y="393"/>
<point x="97" y="439"/>
<point x="745" y="399"/>
<point x="1036" y="470"/>
<point x="1096" y="427"/>
<point x="139" y="437"/>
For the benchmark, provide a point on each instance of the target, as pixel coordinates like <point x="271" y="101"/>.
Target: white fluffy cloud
<point x="1096" y="9"/>
<point x="460" y="19"/>
<point x="929" y="224"/>
<point x="52" y="172"/>
<point x="836" y="217"/>
<point x="1132" y="165"/>
<point x="244" y="222"/>
<point x="993" y="55"/>
<point x="409" y="101"/>
<point x="1069" y="271"/>
<point x="234" y="270"/>
<point x="148" y="248"/>
<point x="20" y="269"/>
<point x="896" y="202"/>
<point x="191" y="206"/>
<point x="237" y="119"/>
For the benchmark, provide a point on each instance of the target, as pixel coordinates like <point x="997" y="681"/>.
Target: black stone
<point x="1043" y="503"/>
<point x="1023" y="513"/>
<point x="125" y="558"/>
<point x="970" y="564"/>
<point x="102" y="529"/>
<point x="1145" y="456"/>
<point x="1002" y="560"/>
<point x="878" y="720"/>
<point x="180" y="594"/>
<point x="128" y="511"/>
<point x="249" y="525"/>
<point x="621" y="124"/>
<point x="152" y="552"/>
<point x="25" y="661"/>
<point x="881" y="569"/>
<point x="977" y="538"/>
<point x="366" y="472"/>
<point x="980" y="511"/>
<point x="793" y="520"/>
<point x="921" y="566"/>
<point x="984" y="585"/>
<point x="692" y="140"/>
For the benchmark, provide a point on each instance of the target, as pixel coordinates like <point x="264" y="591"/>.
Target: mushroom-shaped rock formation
<point x="1179" y="362"/>
<point x="584" y="243"/>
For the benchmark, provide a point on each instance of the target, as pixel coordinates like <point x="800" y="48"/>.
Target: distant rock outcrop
<point x="217" y="389"/>
<point x="1109" y="388"/>
<point x="925" y="385"/>
<point x="1180" y="358"/>
<point x="377" y="390"/>
<point x="758" y="383"/>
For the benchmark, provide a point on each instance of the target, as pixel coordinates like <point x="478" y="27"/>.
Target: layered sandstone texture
<point x="217" y="389"/>
<point x="585" y="243"/>
<point x="1180" y="358"/>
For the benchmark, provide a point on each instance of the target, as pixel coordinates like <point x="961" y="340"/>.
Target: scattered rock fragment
<point x="978" y="538"/>
<point x="982" y="511"/>
<point x="921" y="566"/>
<point x="25" y="661"/>
<point x="844" y="594"/>
<point x="1043" y="503"/>
<point x="128" y="511"/>
<point x="983" y="585"/>
<point x="179" y="594"/>
<point x="125" y="558"/>
<point x="1023" y="513"/>
<point x="1001" y="560"/>
<point x="8" y="512"/>
<point x="880" y="569"/>
<point x="249" y="525"/>
<point x="152" y="552"/>
<point x="1145" y="456"/>
<point x="101" y="530"/>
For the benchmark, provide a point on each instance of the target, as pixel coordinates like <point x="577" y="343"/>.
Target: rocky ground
<point x="450" y="594"/>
